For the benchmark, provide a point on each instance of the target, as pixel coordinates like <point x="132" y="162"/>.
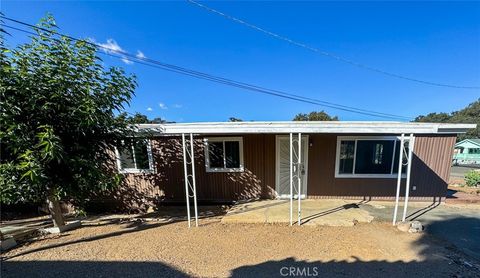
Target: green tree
<point x="315" y="116"/>
<point x="159" y="120"/>
<point x="233" y="119"/>
<point x="468" y="115"/>
<point x="434" y="118"/>
<point x="58" y="124"/>
<point x="139" y="118"/>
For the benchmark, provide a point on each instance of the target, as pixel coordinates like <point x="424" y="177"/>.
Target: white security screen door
<point x="283" y="166"/>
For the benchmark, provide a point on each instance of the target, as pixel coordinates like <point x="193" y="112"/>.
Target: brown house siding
<point x="167" y="183"/>
<point x="430" y="171"/>
<point x="431" y="165"/>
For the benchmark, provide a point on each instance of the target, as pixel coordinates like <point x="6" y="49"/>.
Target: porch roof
<point x="358" y="127"/>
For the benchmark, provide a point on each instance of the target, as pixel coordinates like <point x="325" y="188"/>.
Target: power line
<point x="180" y="70"/>
<point x="324" y="53"/>
<point x="204" y="76"/>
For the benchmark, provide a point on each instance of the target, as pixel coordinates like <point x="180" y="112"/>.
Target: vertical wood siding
<point x="430" y="172"/>
<point x="167" y="183"/>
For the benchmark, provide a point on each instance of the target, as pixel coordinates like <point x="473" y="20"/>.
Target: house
<point x="467" y="152"/>
<point x="237" y="161"/>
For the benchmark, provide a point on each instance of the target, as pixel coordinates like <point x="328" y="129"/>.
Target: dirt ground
<point x="156" y="249"/>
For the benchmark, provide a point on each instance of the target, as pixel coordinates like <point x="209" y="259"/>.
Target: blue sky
<point x="433" y="41"/>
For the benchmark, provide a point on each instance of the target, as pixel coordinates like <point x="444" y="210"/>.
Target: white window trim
<point x="223" y="169"/>
<point x="356" y="138"/>
<point x="135" y="170"/>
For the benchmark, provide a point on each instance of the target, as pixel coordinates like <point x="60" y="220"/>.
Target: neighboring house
<point x="251" y="160"/>
<point x="467" y="152"/>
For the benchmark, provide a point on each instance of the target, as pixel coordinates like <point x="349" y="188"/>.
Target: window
<point x="473" y="151"/>
<point x="134" y="156"/>
<point x="368" y="157"/>
<point x="224" y="154"/>
<point x="347" y="152"/>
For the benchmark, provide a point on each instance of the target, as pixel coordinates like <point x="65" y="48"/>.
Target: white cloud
<point x="177" y="106"/>
<point x="162" y="106"/>
<point x="112" y="47"/>
<point x="140" y="55"/>
<point x="149" y="109"/>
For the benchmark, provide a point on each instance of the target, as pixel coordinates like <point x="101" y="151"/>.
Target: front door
<point x="283" y="166"/>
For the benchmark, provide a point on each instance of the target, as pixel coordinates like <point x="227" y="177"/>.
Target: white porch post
<point x="291" y="179"/>
<point x="399" y="178"/>
<point x="411" y="145"/>
<point x="299" y="177"/>
<point x="189" y="159"/>
<point x="192" y="159"/>
<point x="185" y="171"/>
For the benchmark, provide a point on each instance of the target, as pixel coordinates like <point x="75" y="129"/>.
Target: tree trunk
<point x="55" y="211"/>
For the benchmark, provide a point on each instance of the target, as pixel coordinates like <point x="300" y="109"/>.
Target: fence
<point x="466" y="158"/>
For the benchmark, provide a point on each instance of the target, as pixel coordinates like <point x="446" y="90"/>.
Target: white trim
<point x="185" y="174"/>
<point x="364" y="138"/>
<point x="393" y="156"/>
<point x="223" y="139"/>
<point x="411" y="146"/>
<point x="151" y="163"/>
<point x="192" y="154"/>
<point x="399" y="178"/>
<point x="277" y="166"/>
<point x="371" y="127"/>
<point x="290" y="151"/>
<point x="457" y="145"/>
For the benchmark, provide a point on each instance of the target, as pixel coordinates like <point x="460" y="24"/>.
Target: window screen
<point x="141" y="155"/>
<point x="369" y="156"/>
<point x="133" y="155"/>
<point x="126" y="155"/>
<point x="215" y="153"/>
<point x="224" y="154"/>
<point x="374" y="157"/>
<point x="232" y="154"/>
<point x="347" y="152"/>
<point x="405" y="158"/>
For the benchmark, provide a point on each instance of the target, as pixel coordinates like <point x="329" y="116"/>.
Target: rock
<point x="68" y="226"/>
<point x="410" y="226"/>
<point x="415" y="227"/>
<point x="7" y="243"/>
<point x="403" y="226"/>
<point x="150" y="209"/>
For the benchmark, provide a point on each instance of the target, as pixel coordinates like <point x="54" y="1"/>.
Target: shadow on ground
<point x="439" y="260"/>
<point x="88" y="269"/>
<point x="309" y="218"/>
<point x="355" y="268"/>
<point x="131" y="225"/>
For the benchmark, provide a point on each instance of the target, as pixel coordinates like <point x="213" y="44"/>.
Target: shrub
<point x="472" y="178"/>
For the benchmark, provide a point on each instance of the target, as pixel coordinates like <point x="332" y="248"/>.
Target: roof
<point x="305" y="127"/>
<point x="473" y="141"/>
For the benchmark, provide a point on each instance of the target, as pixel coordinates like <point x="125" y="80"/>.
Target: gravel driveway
<point x="145" y="249"/>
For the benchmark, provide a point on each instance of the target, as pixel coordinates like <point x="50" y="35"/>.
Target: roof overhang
<point x="304" y="127"/>
<point x="467" y="140"/>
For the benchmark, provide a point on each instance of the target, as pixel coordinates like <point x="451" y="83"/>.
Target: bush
<point x="472" y="178"/>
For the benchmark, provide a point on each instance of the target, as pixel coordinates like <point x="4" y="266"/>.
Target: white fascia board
<point x="304" y="127"/>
